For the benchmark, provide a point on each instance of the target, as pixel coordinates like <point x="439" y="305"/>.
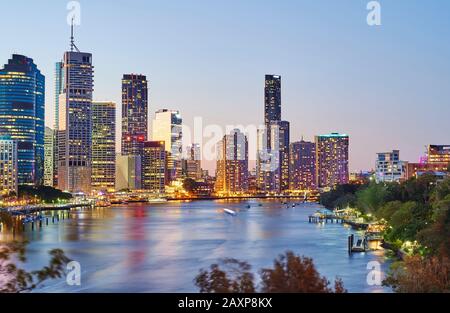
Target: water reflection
<point x="161" y="247"/>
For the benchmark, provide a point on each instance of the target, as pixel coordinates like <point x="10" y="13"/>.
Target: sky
<point x="386" y="86"/>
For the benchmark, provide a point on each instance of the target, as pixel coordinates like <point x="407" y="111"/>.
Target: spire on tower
<point x="72" y="40"/>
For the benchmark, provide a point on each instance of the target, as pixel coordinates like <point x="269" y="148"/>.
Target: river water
<point x="161" y="247"/>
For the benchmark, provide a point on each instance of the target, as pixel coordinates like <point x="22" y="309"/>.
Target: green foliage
<point x="372" y="198"/>
<point x="43" y="193"/>
<point x="340" y="197"/>
<point x="291" y="273"/>
<point x="17" y="280"/>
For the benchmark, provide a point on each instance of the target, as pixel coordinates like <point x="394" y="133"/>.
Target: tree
<point x="420" y="275"/>
<point x="43" y="193"/>
<point x="291" y="273"/>
<point x="16" y="280"/>
<point x="296" y="274"/>
<point x="189" y="185"/>
<point x="237" y="278"/>
<point x="372" y="198"/>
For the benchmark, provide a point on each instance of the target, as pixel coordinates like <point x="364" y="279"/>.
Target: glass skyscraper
<point x="22" y="113"/>
<point x="272" y="99"/>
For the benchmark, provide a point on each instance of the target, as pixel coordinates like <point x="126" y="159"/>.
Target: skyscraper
<point x="49" y="157"/>
<point x="154" y="167"/>
<point x="22" y="113"/>
<point x="302" y="166"/>
<point x="8" y="166"/>
<point x="134" y="114"/>
<point x="192" y="165"/>
<point x="167" y="127"/>
<point x="266" y="163"/>
<point x="232" y="164"/>
<point x="272" y="99"/>
<point x="59" y="81"/>
<point x="103" y="145"/>
<point x="279" y="143"/>
<point x="332" y="160"/>
<point x="75" y="125"/>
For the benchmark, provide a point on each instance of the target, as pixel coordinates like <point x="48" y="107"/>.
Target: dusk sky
<point x="386" y="86"/>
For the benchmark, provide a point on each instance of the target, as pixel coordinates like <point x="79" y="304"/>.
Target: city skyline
<point x="378" y="89"/>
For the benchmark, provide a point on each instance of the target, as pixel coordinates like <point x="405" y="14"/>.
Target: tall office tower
<point x="232" y="164"/>
<point x="332" y="160"/>
<point x="8" y="166"/>
<point x="134" y="114"/>
<point x="49" y="156"/>
<point x="75" y="125"/>
<point x="192" y="164"/>
<point x="154" y="167"/>
<point x="389" y="167"/>
<point x="438" y="154"/>
<point x="279" y="143"/>
<point x="22" y="113"/>
<point x="302" y="166"/>
<point x="59" y="81"/>
<point x="167" y="127"/>
<point x="128" y="172"/>
<point x="103" y="145"/>
<point x="272" y="99"/>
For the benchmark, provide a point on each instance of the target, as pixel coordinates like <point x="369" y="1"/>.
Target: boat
<point x="230" y="212"/>
<point x="157" y="200"/>
<point x="249" y="206"/>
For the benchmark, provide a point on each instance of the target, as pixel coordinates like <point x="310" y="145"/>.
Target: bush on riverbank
<point x="291" y="274"/>
<point x="418" y="215"/>
<point x="43" y="193"/>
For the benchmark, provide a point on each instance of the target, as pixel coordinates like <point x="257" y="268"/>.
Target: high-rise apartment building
<point x="279" y="145"/>
<point x="302" y="166"/>
<point x="103" y="145"/>
<point x="134" y="114"/>
<point x="22" y="113"/>
<point x="128" y="172"/>
<point x="8" y="166"/>
<point x="332" y="167"/>
<point x="167" y="127"/>
<point x="232" y="164"/>
<point x="389" y="167"/>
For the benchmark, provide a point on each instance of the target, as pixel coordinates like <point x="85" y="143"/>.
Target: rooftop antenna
<point x="72" y="41"/>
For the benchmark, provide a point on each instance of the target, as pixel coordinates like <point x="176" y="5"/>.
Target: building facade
<point x="75" y="123"/>
<point x="389" y="167"/>
<point x="439" y="154"/>
<point x="154" y="167"/>
<point x="49" y="157"/>
<point x="22" y="114"/>
<point x="103" y="145"/>
<point x="279" y="145"/>
<point x="272" y="99"/>
<point x="232" y="164"/>
<point x="167" y="127"/>
<point x="418" y="169"/>
<point x="134" y="114"/>
<point x="8" y="166"/>
<point x="332" y="166"/>
<point x="302" y="164"/>
<point x="192" y="164"/>
<point x="128" y="172"/>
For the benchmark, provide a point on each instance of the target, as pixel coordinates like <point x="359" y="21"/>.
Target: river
<point x="161" y="247"/>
